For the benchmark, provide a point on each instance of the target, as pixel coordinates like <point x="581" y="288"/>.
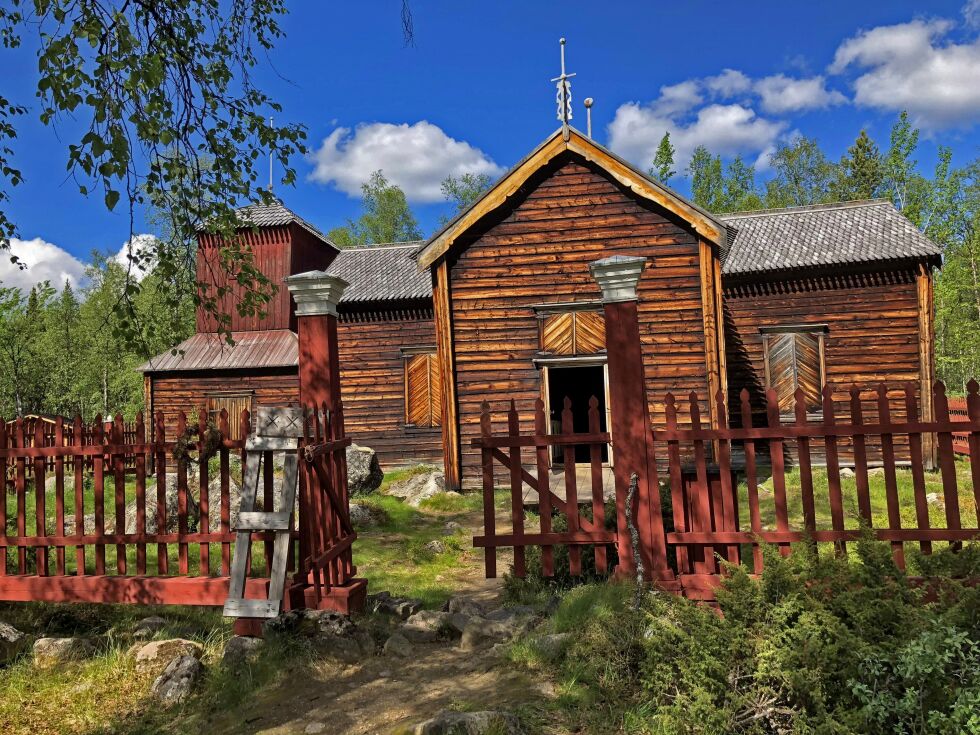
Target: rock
<point x="400" y="607"/>
<point x="876" y="472"/>
<point x="553" y="645"/>
<point x="367" y="516"/>
<point x="53" y="651"/>
<point x="435" y="547"/>
<point x="398" y="645"/>
<point x="470" y="723"/>
<point x="456" y="623"/>
<point x="364" y="473"/>
<point x="193" y="511"/>
<point x="475" y="635"/>
<point x="424" y="626"/>
<point x="419" y="487"/>
<point x="846" y="472"/>
<point x="465" y="605"/>
<point x="177" y="681"/>
<point x="241" y="649"/>
<point x="154" y="657"/>
<point x="311" y="624"/>
<point x="497" y="626"/>
<point x="314" y="728"/>
<point x="88" y="523"/>
<point x="12" y="643"/>
<point x="552" y="605"/>
<point x="148" y="627"/>
<point x="452" y="528"/>
<point x="935" y="499"/>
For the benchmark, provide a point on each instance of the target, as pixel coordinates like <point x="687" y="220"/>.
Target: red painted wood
<point x="860" y="459"/>
<point x="947" y="465"/>
<point x="729" y="488"/>
<point x="778" y="468"/>
<point x="918" y="470"/>
<point x="571" y="490"/>
<point x="543" y="488"/>
<point x="973" y="409"/>
<point x="140" y="496"/>
<point x="517" y="493"/>
<point x="489" y="517"/>
<point x="751" y="480"/>
<point x="891" y="481"/>
<point x="595" y="466"/>
<point x="833" y="467"/>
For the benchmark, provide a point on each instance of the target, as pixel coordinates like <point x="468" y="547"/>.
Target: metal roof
<point x="277" y="214"/>
<point x="381" y="273"/>
<point x="262" y="349"/>
<point x="821" y="235"/>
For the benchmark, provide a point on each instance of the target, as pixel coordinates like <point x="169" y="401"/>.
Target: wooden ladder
<point x="277" y="430"/>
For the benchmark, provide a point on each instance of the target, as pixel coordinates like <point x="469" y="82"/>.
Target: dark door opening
<point x="579" y="384"/>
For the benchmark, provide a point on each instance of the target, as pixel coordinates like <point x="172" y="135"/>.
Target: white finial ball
<point x="589" y="102"/>
<point x="561" y="41"/>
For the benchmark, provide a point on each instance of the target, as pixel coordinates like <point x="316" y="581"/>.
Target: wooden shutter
<point x="558" y="334"/>
<point x="234" y="405"/>
<point x="423" y="391"/>
<point x="574" y="333"/>
<point x="793" y="360"/>
<point x="590" y="332"/>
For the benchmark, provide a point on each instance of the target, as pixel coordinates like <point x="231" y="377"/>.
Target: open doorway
<point x="579" y="383"/>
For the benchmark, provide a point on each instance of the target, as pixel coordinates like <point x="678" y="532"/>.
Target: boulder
<point x="331" y="633"/>
<point x="465" y="605"/>
<point x="425" y="626"/>
<point x="452" y="528"/>
<point x="241" y="649"/>
<point x="364" y="473"/>
<point x="88" y="523"/>
<point x="12" y="643"/>
<point x="876" y="472"/>
<point x="367" y="516"/>
<point x="398" y="645"/>
<point x="399" y="607"/>
<point x="475" y="635"/>
<point x="148" y="627"/>
<point x="193" y="511"/>
<point x="53" y="651"/>
<point x="489" y="722"/>
<point x="846" y="472"/>
<point x="419" y="487"/>
<point x="177" y="681"/>
<point x="551" y="646"/>
<point x="497" y="626"/>
<point x="435" y="547"/>
<point x="154" y="657"/>
<point x="456" y="623"/>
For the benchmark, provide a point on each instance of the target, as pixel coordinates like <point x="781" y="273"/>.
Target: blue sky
<point x="474" y="94"/>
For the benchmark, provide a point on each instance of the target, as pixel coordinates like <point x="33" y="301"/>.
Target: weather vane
<point x="564" y="96"/>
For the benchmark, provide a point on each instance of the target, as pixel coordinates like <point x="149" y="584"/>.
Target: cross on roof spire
<point x="564" y="96"/>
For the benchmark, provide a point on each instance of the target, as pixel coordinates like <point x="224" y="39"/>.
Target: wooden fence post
<point x="631" y="430"/>
<point x="317" y="294"/>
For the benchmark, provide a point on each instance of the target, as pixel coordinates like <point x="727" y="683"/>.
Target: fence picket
<point x="947" y="465"/>
<point x="224" y="473"/>
<point x="918" y="470"/>
<point x="891" y="481"/>
<point x="973" y="410"/>
<point x="806" y="471"/>
<point x="678" y="501"/>
<point x="182" y="564"/>
<point x="543" y="488"/>
<point x="517" y="495"/>
<point x="140" y="466"/>
<point x="41" y="557"/>
<point x="78" y="465"/>
<point x="833" y="470"/>
<point x="701" y="506"/>
<point x="3" y="497"/>
<point x="98" y="482"/>
<point x="160" y="462"/>
<point x="751" y="481"/>
<point x="778" y="468"/>
<point x="59" y="494"/>
<point x="860" y="459"/>
<point x="489" y="517"/>
<point x="119" y="478"/>
<point x="571" y="489"/>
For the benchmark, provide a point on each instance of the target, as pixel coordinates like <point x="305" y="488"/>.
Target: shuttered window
<point x="794" y="359"/>
<point x="573" y="333"/>
<point x="423" y="390"/>
<point x="234" y="404"/>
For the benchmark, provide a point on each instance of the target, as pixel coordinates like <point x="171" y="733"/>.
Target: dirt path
<point x="385" y="694"/>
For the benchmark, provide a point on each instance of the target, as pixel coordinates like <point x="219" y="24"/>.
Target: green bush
<point x="815" y="645"/>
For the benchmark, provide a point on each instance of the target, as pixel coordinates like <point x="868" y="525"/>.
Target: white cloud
<point x="135" y="255"/>
<point x="45" y="261"/>
<point x="676" y="99"/>
<point x="781" y="94"/>
<point x="729" y="83"/>
<point x="971" y="13"/>
<point x="415" y="157"/>
<point x="912" y="66"/>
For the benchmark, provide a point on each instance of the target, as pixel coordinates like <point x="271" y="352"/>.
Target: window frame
<point x="820" y="332"/>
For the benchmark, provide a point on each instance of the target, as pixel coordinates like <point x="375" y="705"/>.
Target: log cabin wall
<point x="372" y="375"/>
<point x="873" y="324"/>
<point x="537" y="251"/>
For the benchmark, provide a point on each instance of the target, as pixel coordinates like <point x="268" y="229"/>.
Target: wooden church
<point x="500" y="305"/>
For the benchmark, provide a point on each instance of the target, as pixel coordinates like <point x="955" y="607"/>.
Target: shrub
<point x="815" y="645"/>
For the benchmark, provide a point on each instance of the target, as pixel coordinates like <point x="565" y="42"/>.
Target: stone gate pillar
<point x="632" y="441"/>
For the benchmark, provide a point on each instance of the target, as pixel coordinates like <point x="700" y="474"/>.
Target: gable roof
<point x="277" y="214"/>
<point x="208" y="351"/>
<point x="820" y="235"/>
<point x="381" y="273"/>
<point x="704" y="223"/>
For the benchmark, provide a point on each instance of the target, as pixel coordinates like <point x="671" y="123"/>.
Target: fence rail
<point x="711" y="519"/>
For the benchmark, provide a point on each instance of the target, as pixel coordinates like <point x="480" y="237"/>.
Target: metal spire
<point x="564" y="96"/>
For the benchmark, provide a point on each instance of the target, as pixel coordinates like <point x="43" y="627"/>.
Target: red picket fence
<point x="705" y="522"/>
<point x="958" y="410"/>
<point x="151" y="557"/>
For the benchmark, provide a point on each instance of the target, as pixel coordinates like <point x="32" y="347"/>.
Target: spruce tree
<point x="861" y="172"/>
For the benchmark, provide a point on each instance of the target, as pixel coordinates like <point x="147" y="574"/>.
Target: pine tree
<point x="663" y="161"/>
<point x="861" y="172"/>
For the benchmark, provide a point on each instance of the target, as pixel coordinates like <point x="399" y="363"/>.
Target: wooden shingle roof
<point x="277" y="214"/>
<point x="208" y="351"/>
<point x="770" y="240"/>
<point x="381" y="273"/>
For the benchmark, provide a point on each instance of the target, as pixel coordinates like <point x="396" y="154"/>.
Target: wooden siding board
<point x="526" y="259"/>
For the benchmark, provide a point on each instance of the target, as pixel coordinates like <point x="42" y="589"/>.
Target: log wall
<point x="538" y="251"/>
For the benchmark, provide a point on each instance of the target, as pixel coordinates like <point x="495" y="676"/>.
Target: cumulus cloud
<point x="727" y="130"/>
<point x="971" y="13"/>
<point x="415" y="157"/>
<point x="136" y="255"/>
<point x="45" y="261"/>
<point x="781" y="94"/>
<point x="729" y="83"/>
<point x="913" y="66"/>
